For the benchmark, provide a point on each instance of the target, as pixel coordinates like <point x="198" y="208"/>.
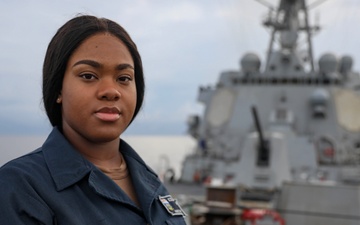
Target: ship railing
<point x="309" y="81"/>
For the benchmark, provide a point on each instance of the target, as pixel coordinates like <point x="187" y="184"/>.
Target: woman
<point x="93" y="87"/>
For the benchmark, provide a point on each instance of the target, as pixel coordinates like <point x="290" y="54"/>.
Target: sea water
<point x="159" y="152"/>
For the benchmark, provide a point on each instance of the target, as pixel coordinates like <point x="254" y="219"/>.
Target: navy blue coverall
<point x="56" y="185"/>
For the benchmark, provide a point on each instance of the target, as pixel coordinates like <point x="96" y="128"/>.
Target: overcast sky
<point x="183" y="44"/>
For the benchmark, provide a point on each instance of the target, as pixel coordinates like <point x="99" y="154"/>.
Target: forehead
<point x="103" y="46"/>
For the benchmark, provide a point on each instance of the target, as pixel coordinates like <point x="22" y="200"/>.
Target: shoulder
<point x="22" y="169"/>
<point x="27" y="160"/>
<point x="21" y="187"/>
<point x="25" y="179"/>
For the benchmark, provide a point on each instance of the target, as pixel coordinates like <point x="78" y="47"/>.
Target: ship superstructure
<point x="287" y="133"/>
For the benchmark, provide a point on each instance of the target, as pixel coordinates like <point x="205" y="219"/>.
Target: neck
<point x="107" y="156"/>
<point x="104" y="154"/>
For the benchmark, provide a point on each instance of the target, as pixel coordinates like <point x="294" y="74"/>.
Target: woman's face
<point x="98" y="96"/>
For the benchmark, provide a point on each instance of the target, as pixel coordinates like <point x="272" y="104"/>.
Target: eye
<point x="88" y="76"/>
<point x="124" y="79"/>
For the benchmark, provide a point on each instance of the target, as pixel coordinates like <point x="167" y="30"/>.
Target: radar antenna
<point x="290" y="19"/>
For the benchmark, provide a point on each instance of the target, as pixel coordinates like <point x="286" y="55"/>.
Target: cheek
<point x="74" y="93"/>
<point x="72" y="103"/>
<point x="133" y="100"/>
<point x="69" y="109"/>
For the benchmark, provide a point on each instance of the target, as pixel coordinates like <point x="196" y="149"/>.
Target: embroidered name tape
<point x="171" y="205"/>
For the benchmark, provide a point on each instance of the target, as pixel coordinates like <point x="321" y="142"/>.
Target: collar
<point x="66" y="165"/>
<point x="145" y="180"/>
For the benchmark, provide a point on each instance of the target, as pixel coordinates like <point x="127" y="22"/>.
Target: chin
<point x="104" y="139"/>
<point x="105" y="136"/>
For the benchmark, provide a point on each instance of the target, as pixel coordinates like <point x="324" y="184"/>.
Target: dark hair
<point x="63" y="44"/>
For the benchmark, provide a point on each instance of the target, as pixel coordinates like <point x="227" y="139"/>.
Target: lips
<point x="108" y="114"/>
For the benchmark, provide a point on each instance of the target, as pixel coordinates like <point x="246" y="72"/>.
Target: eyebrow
<point x="98" y="65"/>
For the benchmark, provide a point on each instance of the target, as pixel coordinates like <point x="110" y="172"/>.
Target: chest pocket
<point x="176" y="220"/>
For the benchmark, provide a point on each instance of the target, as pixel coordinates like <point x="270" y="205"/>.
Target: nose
<point x="109" y="91"/>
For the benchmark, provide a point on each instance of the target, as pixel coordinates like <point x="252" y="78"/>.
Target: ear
<point x="59" y="99"/>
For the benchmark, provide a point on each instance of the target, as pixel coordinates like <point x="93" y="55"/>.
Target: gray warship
<point x="282" y="142"/>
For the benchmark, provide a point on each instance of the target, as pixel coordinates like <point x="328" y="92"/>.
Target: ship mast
<point x="290" y="20"/>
